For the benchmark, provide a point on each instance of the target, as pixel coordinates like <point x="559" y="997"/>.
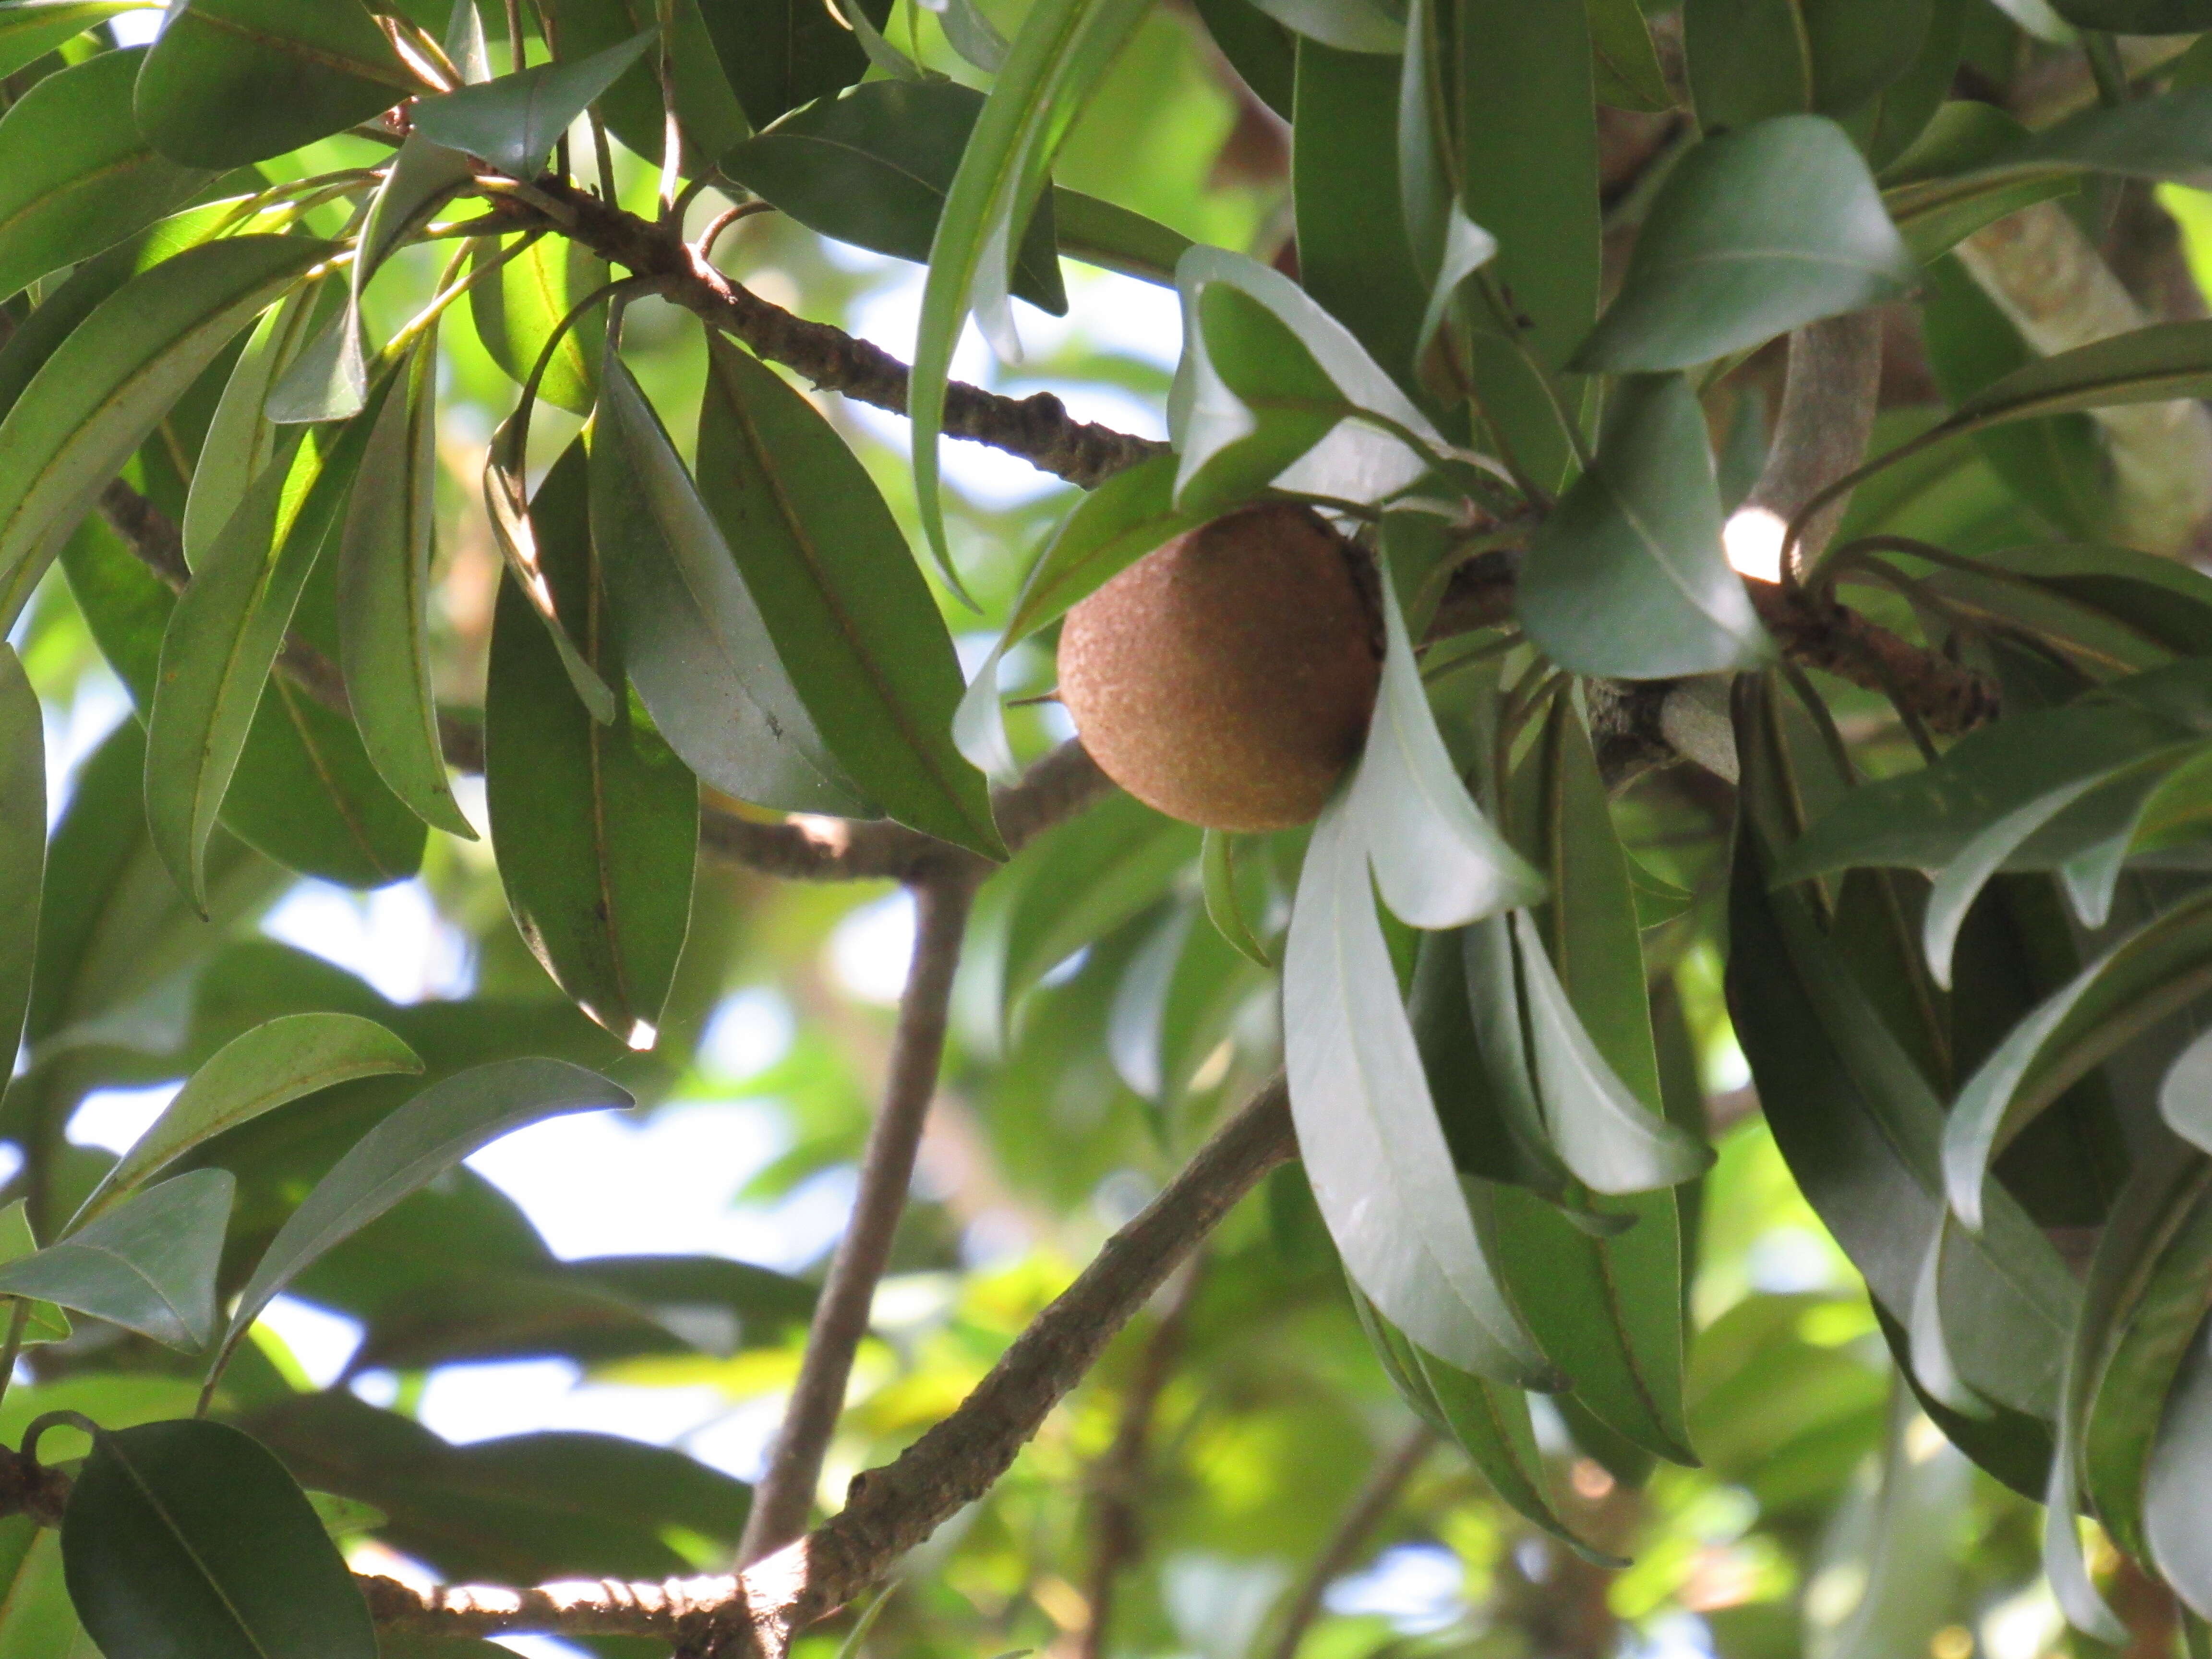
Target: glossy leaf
<point x="516" y="310"/>
<point x="22" y="838"/>
<point x="237" y="81"/>
<point x="690" y="632"/>
<point x="850" y="614"/>
<point x="1752" y="234"/>
<point x="189" y="1539"/>
<point x="29" y="29"/>
<point x="513" y="121"/>
<point x="779" y="54"/>
<point x="241" y="440"/>
<point x="1639" y="535"/>
<point x="596" y="825"/>
<point x="101" y="392"/>
<point x="1064" y="49"/>
<point x="422" y="1140"/>
<point x="44" y="1322"/>
<point x="267" y="1067"/>
<point x="1381" y="1170"/>
<point x="384" y="554"/>
<point x="2156" y="970"/>
<point x="148" y="1265"/>
<point x="1438" y="861"/>
<point x="872" y="167"/>
<point x="75" y="175"/>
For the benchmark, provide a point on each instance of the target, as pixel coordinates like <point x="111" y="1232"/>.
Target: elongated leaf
<point x="1748" y="60"/>
<point x="1101" y="233"/>
<point x="413" y="1146"/>
<point x="1627" y="575"/>
<point x="189" y="1539"/>
<point x="22" y="839"/>
<point x="2163" y="966"/>
<point x="1085" y="879"/>
<point x="596" y="825"/>
<point x="1377" y="1159"/>
<point x="237" y="81"/>
<point x="75" y="175"/>
<point x="1064" y="49"/>
<point x="1438" y="861"/>
<point x="513" y="121"/>
<point x="384" y="555"/>
<point x="29" y="29"/>
<point x="101" y="392"/>
<point x="872" y="167"/>
<point x="148" y="1265"/>
<point x="848" y="610"/>
<point x="44" y="1322"/>
<point x="1754" y="233"/>
<point x="516" y="311"/>
<point x="779" y="54"/>
<point x="241" y="440"/>
<point x="267" y="1066"/>
<point x="2149" y="365"/>
<point x="2136" y="16"/>
<point x="2174" y="1485"/>
<point x="690" y="632"/>
<point x="1627" y="64"/>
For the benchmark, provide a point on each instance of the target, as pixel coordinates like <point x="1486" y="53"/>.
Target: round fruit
<point x="1226" y="678"/>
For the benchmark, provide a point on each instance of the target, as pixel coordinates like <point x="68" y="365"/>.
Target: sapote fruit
<point x="1226" y="678"/>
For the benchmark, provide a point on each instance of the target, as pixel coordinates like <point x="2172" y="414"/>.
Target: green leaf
<point x="2149" y="365"/>
<point x="1113" y="238"/>
<point x="1261" y="51"/>
<point x="188" y="1539"/>
<point x="513" y="121"/>
<point x="2137" y="16"/>
<point x="1628" y="576"/>
<point x="148" y="1265"/>
<point x="517" y="309"/>
<point x="1626" y="65"/>
<point x="1081" y="880"/>
<point x="1749" y="61"/>
<point x="413" y="1146"/>
<point x="1905" y="108"/>
<point x="1258" y="403"/>
<point x="1380" y="1169"/>
<point x="1438" y="861"/>
<point x="596" y="826"/>
<point x="779" y="54"/>
<point x="22" y="838"/>
<point x="241" y="440"/>
<point x="690" y="633"/>
<point x="273" y="1064"/>
<point x="29" y="29"/>
<point x="2160" y="967"/>
<point x="384" y="555"/>
<point x="1360" y="26"/>
<point x="848" y="612"/>
<point x="1106" y="531"/>
<point x="1224" y="904"/>
<point x="75" y="175"/>
<point x="2174" y="1484"/>
<point x="872" y="167"/>
<point x="1063" y="50"/>
<point x="46" y="1321"/>
<point x="237" y="81"/>
<point x="1752" y="234"/>
<point x="101" y="391"/>
<point x="36" y="1620"/>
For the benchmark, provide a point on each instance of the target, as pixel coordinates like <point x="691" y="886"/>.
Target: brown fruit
<point x="1226" y="678"/>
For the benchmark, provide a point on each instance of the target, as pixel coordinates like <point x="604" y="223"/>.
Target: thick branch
<point x="784" y="1500"/>
<point x="1821" y="430"/>
<point x="890" y="1511"/>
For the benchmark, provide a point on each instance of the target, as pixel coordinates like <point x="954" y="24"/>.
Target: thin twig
<point x="1365" y="1512"/>
<point x="783" y="1501"/>
<point x="1118" y="1478"/>
<point x="890" y="1511"/>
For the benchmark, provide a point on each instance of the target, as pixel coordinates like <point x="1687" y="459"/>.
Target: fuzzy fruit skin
<point x="1226" y="678"/>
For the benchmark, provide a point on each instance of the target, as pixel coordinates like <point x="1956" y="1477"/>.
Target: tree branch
<point x="753" y="1615"/>
<point x="1821" y="433"/>
<point x="783" y="1500"/>
<point x="1365" y="1512"/>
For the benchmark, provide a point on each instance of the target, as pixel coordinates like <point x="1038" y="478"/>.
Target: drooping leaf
<point x="237" y="81"/>
<point x="1113" y="238"/>
<point x="513" y="121"/>
<point x="848" y="612"/>
<point x="384" y="555"/>
<point x="1225" y="904"/>
<point x="691" y="635"/>
<point x="596" y="825"/>
<point x="1261" y="50"/>
<point x="1438" y="861"/>
<point x="1064" y="49"/>
<point x="872" y="167"/>
<point x="148" y="1265"/>
<point x="96" y="397"/>
<point x="265" y="1067"/>
<point x="1377" y="1159"/>
<point x="241" y="440"/>
<point x="44" y="1321"/>
<point x="2173" y="1489"/>
<point x="22" y="838"/>
<point x="1082" y="879"/>
<point x="75" y="175"/>
<point x="1627" y="575"/>
<point x="414" y="1144"/>
<point x="1754" y="233"/>
<point x="517" y="309"/>
<point x="779" y="54"/>
<point x="29" y="29"/>
<point x="189" y="1539"/>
